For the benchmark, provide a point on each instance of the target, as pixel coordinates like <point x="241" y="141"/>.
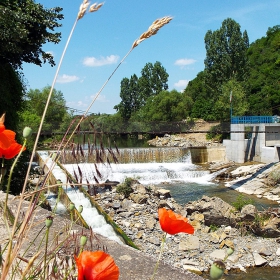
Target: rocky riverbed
<point x="217" y="228"/>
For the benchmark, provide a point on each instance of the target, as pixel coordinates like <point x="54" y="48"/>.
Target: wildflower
<point x="11" y="151"/>
<point x="9" y="148"/>
<point x="96" y="266"/>
<point x="173" y="223"/>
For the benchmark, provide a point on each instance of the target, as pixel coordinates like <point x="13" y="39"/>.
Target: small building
<point x="253" y="138"/>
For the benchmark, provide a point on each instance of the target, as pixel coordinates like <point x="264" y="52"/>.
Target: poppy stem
<point x="160" y="254"/>
<point x="10" y="177"/>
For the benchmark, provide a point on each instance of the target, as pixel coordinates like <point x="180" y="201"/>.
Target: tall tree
<point x="226" y="54"/>
<point x="153" y="80"/>
<point x="135" y="91"/>
<point x="129" y="94"/>
<point x="165" y="106"/>
<point x="34" y="107"/>
<point x="264" y="78"/>
<point x="24" y="27"/>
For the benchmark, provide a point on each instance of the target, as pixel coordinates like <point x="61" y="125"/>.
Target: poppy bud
<point x="83" y="240"/>
<point x="49" y="221"/>
<point x="80" y="209"/>
<point x="71" y="206"/>
<point x="217" y="270"/>
<point x="27" y="131"/>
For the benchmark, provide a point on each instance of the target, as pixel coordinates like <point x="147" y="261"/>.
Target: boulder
<point x="215" y="211"/>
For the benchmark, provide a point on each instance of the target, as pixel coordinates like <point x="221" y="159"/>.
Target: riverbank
<point x="137" y="215"/>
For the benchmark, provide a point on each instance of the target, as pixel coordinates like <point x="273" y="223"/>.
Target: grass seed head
<point x="152" y="30"/>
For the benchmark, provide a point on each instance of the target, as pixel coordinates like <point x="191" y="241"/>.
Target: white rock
<point x="259" y="260"/>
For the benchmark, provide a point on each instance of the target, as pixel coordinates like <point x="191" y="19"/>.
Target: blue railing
<point x="254" y="119"/>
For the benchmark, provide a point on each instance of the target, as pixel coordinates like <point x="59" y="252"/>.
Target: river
<point x="171" y="168"/>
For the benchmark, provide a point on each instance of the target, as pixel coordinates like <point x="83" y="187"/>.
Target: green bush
<point x="242" y="201"/>
<point x="125" y="187"/>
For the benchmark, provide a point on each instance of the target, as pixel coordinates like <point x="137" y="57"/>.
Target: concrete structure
<point x="252" y="140"/>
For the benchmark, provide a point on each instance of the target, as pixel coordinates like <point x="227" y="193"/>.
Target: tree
<point x="24" y="27"/>
<point x="153" y="80"/>
<point x="264" y="77"/>
<point x="165" y="106"/>
<point x="135" y="91"/>
<point x="233" y="94"/>
<point x="226" y="56"/>
<point x="34" y="108"/>
<point x="130" y="102"/>
<point x="11" y="95"/>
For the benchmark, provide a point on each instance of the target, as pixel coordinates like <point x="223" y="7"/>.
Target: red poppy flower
<point x="9" y="148"/>
<point x="173" y="223"/>
<point x="11" y="151"/>
<point x="96" y="266"/>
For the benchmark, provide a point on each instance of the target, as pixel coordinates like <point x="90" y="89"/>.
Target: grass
<point x="54" y="257"/>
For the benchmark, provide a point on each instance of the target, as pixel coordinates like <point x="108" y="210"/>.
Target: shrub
<point x="125" y="187"/>
<point x="242" y="201"/>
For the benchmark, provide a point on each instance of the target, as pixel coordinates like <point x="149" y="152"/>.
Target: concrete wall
<point x="261" y="145"/>
<point x="208" y="154"/>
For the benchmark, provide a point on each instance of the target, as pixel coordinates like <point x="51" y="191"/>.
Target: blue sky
<point x="103" y="38"/>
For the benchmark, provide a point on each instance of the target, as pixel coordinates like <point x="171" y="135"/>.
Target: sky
<point x="101" y="39"/>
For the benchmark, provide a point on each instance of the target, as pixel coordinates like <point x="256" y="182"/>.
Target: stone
<point x="265" y="252"/>
<point x="163" y="192"/>
<point x="218" y="255"/>
<point x="138" y="198"/>
<point x="248" y="212"/>
<point x="193" y="269"/>
<point x="150" y="223"/>
<point x="189" y="243"/>
<point x="278" y="252"/>
<point x="259" y="260"/>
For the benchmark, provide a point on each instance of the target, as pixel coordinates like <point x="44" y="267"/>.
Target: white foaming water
<point x="145" y="173"/>
<point x="90" y="214"/>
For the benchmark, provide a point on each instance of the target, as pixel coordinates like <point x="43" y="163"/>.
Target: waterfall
<point x="148" y="166"/>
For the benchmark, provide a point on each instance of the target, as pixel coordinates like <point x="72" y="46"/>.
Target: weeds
<point x="241" y="201"/>
<point x="125" y="188"/>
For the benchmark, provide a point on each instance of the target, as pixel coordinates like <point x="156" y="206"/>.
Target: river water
<point x="185" y="180"/>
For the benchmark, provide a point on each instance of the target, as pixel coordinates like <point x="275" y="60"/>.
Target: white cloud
<point x="184" y="61"/>
<point x="181" y="84"/>
<point x="95" y="62"/>
<point x="66" y="79"/>
<point x="100" y="98"/>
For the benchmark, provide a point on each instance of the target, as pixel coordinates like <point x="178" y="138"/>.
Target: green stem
<point x="159" y="257"/>
<point x="10" y="177"/>
<point x="46" y="251"/>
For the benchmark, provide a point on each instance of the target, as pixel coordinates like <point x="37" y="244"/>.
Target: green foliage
<point x="215" y="133"/>
<point x="226" y="54"/>
<point x="213" y="228"/>
<point x="27" y="25"/>
<point x="165" y="106"/>
<point x="125" y="188"/>
<point x="11" y="97"/>
<point x="263" y="81"/>
<point x="136" y="91"/>
<point x="242" y="201"/>
<point x="34" y="104"/>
